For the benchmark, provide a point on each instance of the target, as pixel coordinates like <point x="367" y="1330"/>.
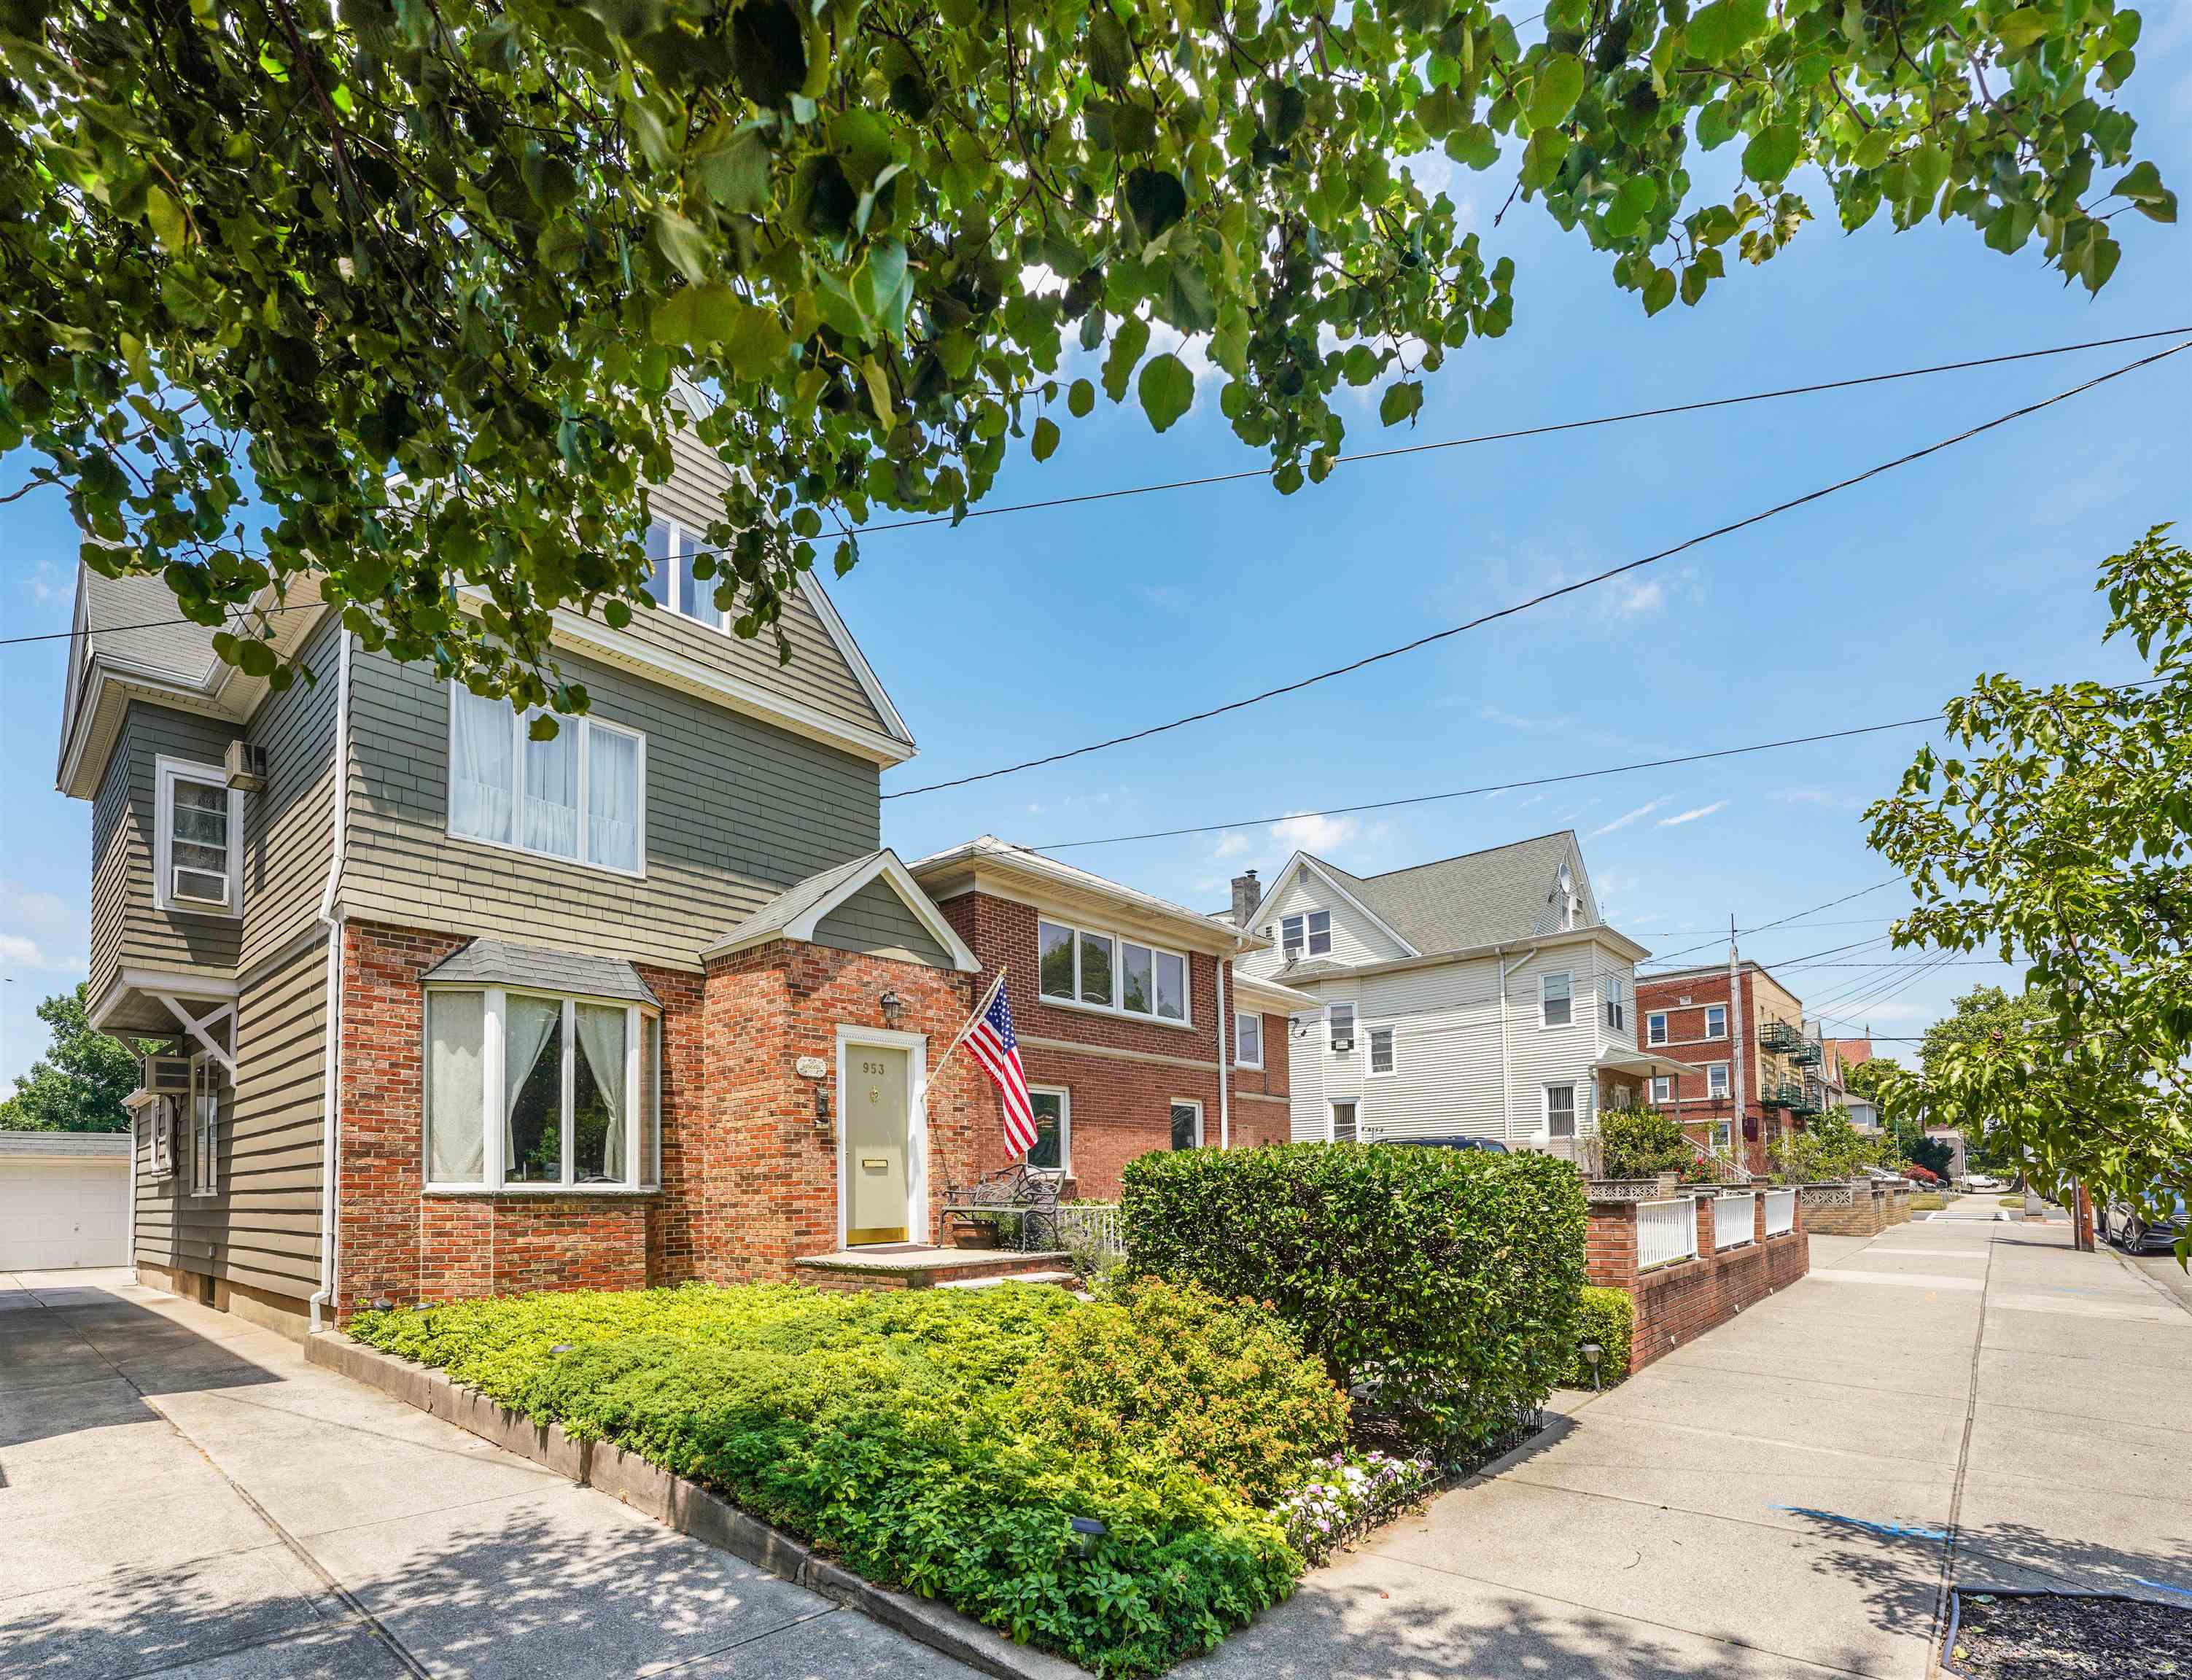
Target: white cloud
<point x="1233" y="845"/>
<point x="1692" y="816"/>
<point x="20" y="952"/>
<point x="1625" y="819"/>
<point x="1309" y="833"/>
<point x="38" y="931"/>
<point x="1806" y="795"/>
<point x="1632" y="599"/>
<point x="44" y="582"/>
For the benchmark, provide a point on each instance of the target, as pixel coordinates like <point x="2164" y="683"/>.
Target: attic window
<point x="1567" y="897"/>
<point x="1311" y="931"/>
<point x="670" y="551"/>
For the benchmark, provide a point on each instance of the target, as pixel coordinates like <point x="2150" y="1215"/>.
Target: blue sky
<point x="1015" y="635"/>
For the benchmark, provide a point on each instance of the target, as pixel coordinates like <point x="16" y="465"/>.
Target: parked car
<point x="2122" y="1225"/>
<point x="1983" y="1181"/>
<point x="1492" y="1144"/>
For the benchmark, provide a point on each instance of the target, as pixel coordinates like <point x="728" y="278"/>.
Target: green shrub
<point x="906" y="1432"/>
<point x="1642" y="1143"/>
<point x="1438" y="1286"/>
<point x="1608" y="1317"/>
<point x="1174" y="1371"/>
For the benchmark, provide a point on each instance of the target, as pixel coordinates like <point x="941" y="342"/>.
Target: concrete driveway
<point x="1959" y="1400"/>
<point x="180" y="1494"/>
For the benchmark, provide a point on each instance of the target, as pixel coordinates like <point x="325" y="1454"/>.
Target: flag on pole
<point x="991" y="1037"/>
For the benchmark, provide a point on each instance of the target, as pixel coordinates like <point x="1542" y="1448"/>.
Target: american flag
<point x="997" y="1048"/>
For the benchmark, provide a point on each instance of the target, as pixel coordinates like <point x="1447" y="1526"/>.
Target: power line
<point x="1744" y="932"/>
<point x="1550" y="429"/>
<point x="146" y="624"/>
<point x="1545" y="596"/>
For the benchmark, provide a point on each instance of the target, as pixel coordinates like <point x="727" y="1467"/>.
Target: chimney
<point x="1247" y="895"/>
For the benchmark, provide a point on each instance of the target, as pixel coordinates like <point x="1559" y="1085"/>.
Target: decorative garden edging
<point x="685" y="1506"/>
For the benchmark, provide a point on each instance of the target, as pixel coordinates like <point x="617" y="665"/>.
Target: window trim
<point x="1370" y="1052"/>
<point x="1544" y="1025"/>
<point x="1718" y="1141"/>
<point x="680" y="535"/>
<point x="1655" y="1029"/>
<point x="1117" y="1006"/>
<point x="1354" y="1024"/>
<point x="1710" y="1036"/>
<point x="1726" y="1082"/>
<point x="1240" y="1061"/>
<point x="1331" y="1118"/>
<point x="167" y="771"/>
<point x="1063" y="1169"/>
<point x="640" y="1151"/>
<point x="586" y="725"/>
<point x="1613" y="1002"/>
<point x="1671" y="1081"/>
<point x="1309" y="934"/>
<point x="1193" y="1103"/>
<point x="1575" y="1089"/>
<point x="204" y="1136"/>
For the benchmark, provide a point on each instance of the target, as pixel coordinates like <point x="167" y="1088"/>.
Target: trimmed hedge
<point x="1642" y="1143"/>
<point x="1608" y="1317"/>
<point x="1439" y="1286"/>
<point x="936" y="1439"/>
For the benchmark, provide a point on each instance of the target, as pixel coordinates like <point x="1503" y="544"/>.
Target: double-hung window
<point x="1308" y="932"/>
<point x="1655" y="1028"/>
<point x="198" y="840"/>
<point x="672" y="552"/>
<point x="1248" y="1039"/>
<point x="1560" y="1110"/>
<point x="1555" y="999"/>
<point x="525" y="1090"/>
<point x="1717" y="1020"/>
<point x="1340" y="1024"/>
<point x="1716" y="1081"/>
<point x="1616" y="995"/>
<point x="1381" y="1051"/>
<point x="581" y="796"/>
<point x="1099" y="971"/>
<point x="1052" y="1151"/>
<point x="1663" y="1087"/>
<point x="205" y="1127"/>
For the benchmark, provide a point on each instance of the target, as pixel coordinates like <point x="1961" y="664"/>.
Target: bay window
<point x="1099" y="971"/>
<point x="529" y="1091"/>
<point x="581" y="796"/>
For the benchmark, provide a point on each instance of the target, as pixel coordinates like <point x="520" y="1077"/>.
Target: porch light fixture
<point x="893" y="1006"/>
<point x="1087" y="1531"/>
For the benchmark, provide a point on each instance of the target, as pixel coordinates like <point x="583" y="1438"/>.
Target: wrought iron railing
<point x="1083" y="1228"/>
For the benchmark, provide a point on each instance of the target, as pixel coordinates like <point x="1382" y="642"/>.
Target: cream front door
<point x="878" y="1143"/>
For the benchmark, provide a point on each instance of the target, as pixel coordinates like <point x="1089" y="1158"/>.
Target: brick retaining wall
<point x="1677" y="1303"/>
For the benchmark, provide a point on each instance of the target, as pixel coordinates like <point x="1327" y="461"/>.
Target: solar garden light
<point x="1087" y="1531"/>
<point x="1591" y="1353"/>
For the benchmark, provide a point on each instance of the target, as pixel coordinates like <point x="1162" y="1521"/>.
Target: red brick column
<point x="1610" y="1246"/>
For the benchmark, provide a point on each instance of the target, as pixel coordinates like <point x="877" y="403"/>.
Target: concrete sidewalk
<point x="1778" y="1498"/>
<point x="180" y="1494"/>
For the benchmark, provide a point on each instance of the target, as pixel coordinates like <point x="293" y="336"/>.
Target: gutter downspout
<point x="1224" y="1075"/>
<point x="331" y="1048"/>
<point x="1506" y="1067"/>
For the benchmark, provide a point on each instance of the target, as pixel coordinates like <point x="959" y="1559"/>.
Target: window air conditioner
<point x="246" y="765"/>
<point x="1340" y="1046"/>
<point x="170" y="1075"/>
<point x="199" y="886"/>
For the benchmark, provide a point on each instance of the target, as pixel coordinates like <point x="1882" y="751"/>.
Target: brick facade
<point x="1755" y="1127"/>
<point x="1122" y="1076"/>
<point x="1676" y="1304"/>
<point x="749" y="1173"/>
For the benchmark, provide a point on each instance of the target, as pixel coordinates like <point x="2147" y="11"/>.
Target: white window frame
<point x="1719" y="1085"/>
<point x="1064" y="1167"/>
<point x="205" y="1126"/>
<point x="586" y="726"/>
<point x="1712" y="1010"/>
<point x="1568" y="975"/>
<point x="1614" y="1002"/>
<point x="1655" y="1027"/>
<point x="682" y="544"/>
<point x="1723" y="1135"/>
<point x="1332" y="1033"/>
<point x="642" y="1153"/>
<point x="1370" y="1068"/>
<point x="1670" y="1081"/>
<point x="1575" y="1089"/>
<point x="1186" y="1102"/>
<point x="162" y="1143"/>
<point x="1117" y="1005"/>
<point x="1332" y="1119"/>
<point x="1240" y="1059"/>
<point x="1305" y="944"/>
<point x="166" y="772"/>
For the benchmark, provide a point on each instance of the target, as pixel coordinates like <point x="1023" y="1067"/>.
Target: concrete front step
<point x="1063" y="1279"/>
<point x="917" y="1266"/>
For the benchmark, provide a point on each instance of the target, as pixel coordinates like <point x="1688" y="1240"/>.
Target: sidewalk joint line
<point x="1934" y="1653"/>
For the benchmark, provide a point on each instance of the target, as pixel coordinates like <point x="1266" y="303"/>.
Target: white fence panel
<point x="1734" y="1220"/>
<point x="1666" y="1232"/>
<point x="1780" y="1212"/>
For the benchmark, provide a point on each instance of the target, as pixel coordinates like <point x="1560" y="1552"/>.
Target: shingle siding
<point x="736" y="811"/>
<point x="875" y="921"/>
<point x="289" y="825"/>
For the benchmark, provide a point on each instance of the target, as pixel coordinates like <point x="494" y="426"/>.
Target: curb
<point x="686" y="1506"/>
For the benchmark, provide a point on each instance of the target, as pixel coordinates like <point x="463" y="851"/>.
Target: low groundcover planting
<point x="944" y="1441"/>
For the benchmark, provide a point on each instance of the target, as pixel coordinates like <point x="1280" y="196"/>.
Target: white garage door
<point x="63" y="1213"/>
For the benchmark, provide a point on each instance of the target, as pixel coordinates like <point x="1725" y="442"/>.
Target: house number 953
<point x="871" y="1068"/>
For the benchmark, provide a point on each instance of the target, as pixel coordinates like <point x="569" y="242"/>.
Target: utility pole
<point x="1737" y="1090"/>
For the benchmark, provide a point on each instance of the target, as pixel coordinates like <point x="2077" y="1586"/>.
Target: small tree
<point x="80" y="1085"/>
<point x="1829" y="1147"/>
<point x="1642" y="1143"/>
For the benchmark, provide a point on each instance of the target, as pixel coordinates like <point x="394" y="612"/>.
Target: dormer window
<point x="1310" y="932"/>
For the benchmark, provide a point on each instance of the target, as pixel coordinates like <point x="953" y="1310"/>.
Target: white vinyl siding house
<point x="1356" y="937"/>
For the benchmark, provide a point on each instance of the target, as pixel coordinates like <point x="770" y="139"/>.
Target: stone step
<point x="1063" y="1279"/>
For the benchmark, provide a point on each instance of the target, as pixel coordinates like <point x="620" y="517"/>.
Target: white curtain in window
<point x="650" y="1117"/>
<point x="550" y="820"/>
<point x="612" y="799"/>
<point x="600" y="1041"/>
<point x="482" y="766"/>
<point x="456" y="1087"/>
<point x="526" y="1024"/>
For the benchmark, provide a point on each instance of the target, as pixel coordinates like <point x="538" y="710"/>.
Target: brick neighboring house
<point x="1136" y="1029"/>
<point x="1754" y="1073"/>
